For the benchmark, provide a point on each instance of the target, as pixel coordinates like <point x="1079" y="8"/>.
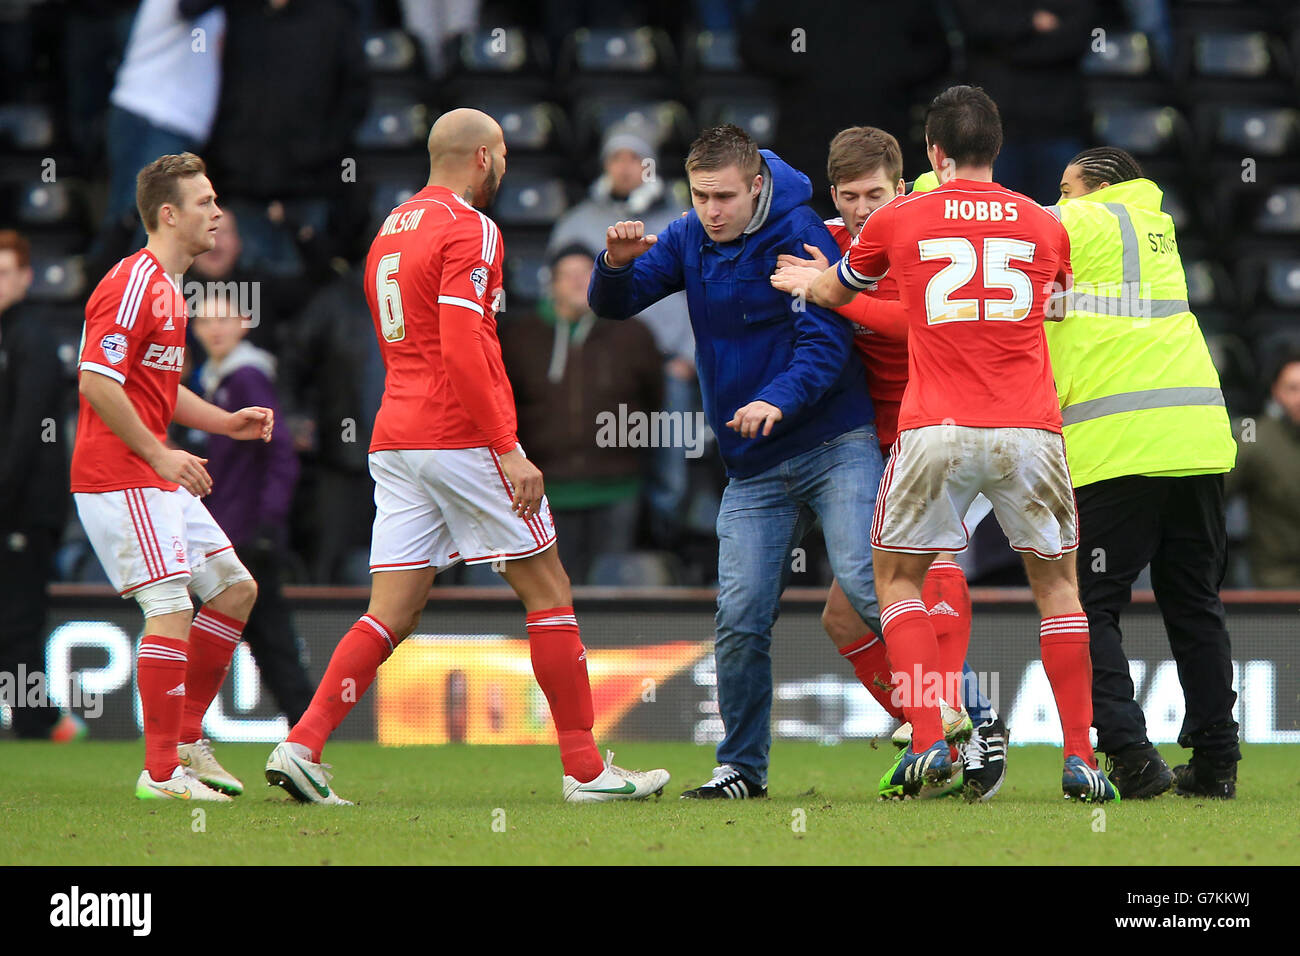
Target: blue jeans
<point x="762" y="520"/>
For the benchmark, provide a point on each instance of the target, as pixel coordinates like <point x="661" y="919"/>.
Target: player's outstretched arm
<point x="824" y="288"/>
<point x="245" y="424"/>
<point x="109" y="400"/>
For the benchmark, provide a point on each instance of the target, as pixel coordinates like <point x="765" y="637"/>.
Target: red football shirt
<point x="976" y="265"/>
<point x="879" y="341"/>
<point x="134" y="334"/>
<point x="433" y="281"/>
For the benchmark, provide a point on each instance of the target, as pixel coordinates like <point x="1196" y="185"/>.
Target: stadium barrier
<point x="465" y="675"/>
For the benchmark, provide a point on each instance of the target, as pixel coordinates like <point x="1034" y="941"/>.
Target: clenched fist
<point x="624" y="241"/>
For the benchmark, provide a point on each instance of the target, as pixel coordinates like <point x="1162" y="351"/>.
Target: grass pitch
<point x="501" y="805"/>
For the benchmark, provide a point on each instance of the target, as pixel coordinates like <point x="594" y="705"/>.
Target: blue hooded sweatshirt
<point x="752" y="342"/>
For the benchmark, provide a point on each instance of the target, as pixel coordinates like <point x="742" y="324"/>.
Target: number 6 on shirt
<point x="388" y="296"/>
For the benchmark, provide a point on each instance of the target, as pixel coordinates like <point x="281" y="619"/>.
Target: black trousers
<point x="26" y="565"/>
<point x="271" y="637"/>
<point x="1176" y="525"/>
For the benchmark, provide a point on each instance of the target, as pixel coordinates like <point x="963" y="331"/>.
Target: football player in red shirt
<point x="451" y="480"/>
<point x="139" y="499"/>
<point x="865" y="169"/>
<point x="979" y="269"/>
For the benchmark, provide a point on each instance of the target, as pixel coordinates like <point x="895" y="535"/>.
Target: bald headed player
<point x="451" y="480"/>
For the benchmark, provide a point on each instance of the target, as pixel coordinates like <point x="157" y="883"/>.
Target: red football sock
<point x="349" y="675"/>
<point x="1068" y="663"/>
<point x="160" y="675"/>
<point x="913" y="655"/>
<point x="947" y="598"/>
<point x="213" y="639"/>
<point x="871" y="666"/>
<point x="560" y="666"/>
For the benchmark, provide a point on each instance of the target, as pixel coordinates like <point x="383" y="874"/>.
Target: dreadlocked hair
<point x="1106" y="164"/>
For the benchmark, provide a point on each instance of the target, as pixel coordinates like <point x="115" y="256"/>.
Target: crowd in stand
<point x="275" y="104"/>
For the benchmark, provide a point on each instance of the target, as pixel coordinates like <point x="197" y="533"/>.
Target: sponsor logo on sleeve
<point x="480" y="279"/>
<point x="114" y="346"/>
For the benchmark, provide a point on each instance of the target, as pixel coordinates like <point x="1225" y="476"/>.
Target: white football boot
<point x="615" y="783"/>
<point x="957" y="727"/>
<point x="197" y="758"/>
<point x="179" y="786"/>
<point x="290" y="766"/>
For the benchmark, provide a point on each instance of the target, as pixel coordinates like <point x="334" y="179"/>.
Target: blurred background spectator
<point x="33" y="488"/>
<point x="293" y="89"/>
<point x="164" y="101"/>
<point x="323" y="109"/>
<point x="1026" y="56"/>
<point x="569" y="371"/>
<point x="252" y="487"/>
<point x="630" y="187"/>
<point x="1268" y="476"/>
<point x="334" y="378"/>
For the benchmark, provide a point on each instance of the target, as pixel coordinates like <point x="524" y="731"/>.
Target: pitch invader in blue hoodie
<point x="786" y="398"/>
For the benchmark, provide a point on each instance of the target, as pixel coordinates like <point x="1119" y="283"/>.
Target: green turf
<point x="74" y="805"/>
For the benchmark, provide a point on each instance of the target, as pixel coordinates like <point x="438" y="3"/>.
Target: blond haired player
<point x="139" y="499"/>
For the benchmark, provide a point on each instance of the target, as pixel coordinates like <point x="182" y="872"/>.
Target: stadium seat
<point x="387" y="194"/>
<point x="632" y="569"/>
<point x="1238" y="373"/>
<point x="1255" y="131"/>
<point x="528" y="126"/>
<point x="530" y="200"/>
<point x="27" y="126"/>
<point x="49" y="204"/>
<point x="1282" y="282"/>
<point x="1238" y="55"/>
<point x="666" y="122"/>
<point x="390" y="51"/>
<point x="717" y="52"/>
<point x="57" y="278"/>
<point x="393" y="122"/>
<point x="1279" y="213"/>
<point x="525" y="270"/>
<point x="636" y="50"/>
<point x="634" y="62"/>
<point x="756" y="115"/>
<point x="1209" y="287"/>
<point x="1143" y="130"/>
<point x="495" y="51"/>
<point x="1125" y="53"/>
<point x="1175" y="204"/>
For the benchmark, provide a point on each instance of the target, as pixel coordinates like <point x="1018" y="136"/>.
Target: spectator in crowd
<point x="1268" y="475"/>
<point x="569" y="372"/>
<point x="1026" y="57"/>
<point x="267" y="300"/>
<point x="434" y="24"/>
<point x="333" y="378"/>
<point x="816" y="52"/>
<point x="252" y="486"/>
<point x="293" y="89"/>
<point x="164" y="101"/>
<point x="33" y="487"/>
<point x="631" y="189"/>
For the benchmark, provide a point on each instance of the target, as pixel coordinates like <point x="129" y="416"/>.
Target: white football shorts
<point x="146" y="535"/>
<point x="936" y="472"/>
<point x="436" y="507"/>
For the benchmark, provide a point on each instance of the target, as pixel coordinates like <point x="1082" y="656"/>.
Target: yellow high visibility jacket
<point x="1139" y="393"/>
